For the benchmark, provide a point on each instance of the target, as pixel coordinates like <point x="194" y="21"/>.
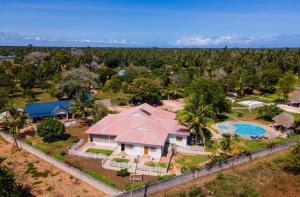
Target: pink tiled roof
<point x="143" y="124"/>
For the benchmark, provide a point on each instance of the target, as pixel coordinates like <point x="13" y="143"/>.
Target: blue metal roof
<point x="45" y="108"/>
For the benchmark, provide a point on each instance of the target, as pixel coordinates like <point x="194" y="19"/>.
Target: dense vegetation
<point x="150" y="74"/>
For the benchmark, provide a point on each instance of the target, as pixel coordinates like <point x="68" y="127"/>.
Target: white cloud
<point x="223" y="40"/>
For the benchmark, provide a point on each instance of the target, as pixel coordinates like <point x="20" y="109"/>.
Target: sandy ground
<point x="266" y="190"/>
<point x="57" y="183"/>
<point x="172" y="105"/>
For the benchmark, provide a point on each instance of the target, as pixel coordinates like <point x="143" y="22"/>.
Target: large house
<point x="142" y="130"/>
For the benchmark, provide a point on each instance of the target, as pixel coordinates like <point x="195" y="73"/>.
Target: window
<point x="128" y="146"/>
<point x="153" y="149"/>
<point x="178" y="138"/>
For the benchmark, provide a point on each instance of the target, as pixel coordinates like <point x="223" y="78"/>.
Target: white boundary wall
<point x="69" y="169"/>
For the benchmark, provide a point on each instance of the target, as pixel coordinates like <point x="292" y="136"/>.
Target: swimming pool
<point x="248" y="129"/>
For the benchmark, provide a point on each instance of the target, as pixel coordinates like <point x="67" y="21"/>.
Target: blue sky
<point x="172" y="23"/>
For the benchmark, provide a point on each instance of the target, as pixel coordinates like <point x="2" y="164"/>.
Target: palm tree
<point x="197" y="121"/>
<point x="82" y="105"/>
<point x="13" y="123"/>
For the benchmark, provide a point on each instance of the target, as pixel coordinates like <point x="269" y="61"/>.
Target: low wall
<point x="69" y="169"/>
<point x="180" y="179"/>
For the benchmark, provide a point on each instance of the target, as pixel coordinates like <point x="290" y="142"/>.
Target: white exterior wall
<point x="98" y="141"/>
<point x="138" y="149"/>
<point x="172" y="140"/>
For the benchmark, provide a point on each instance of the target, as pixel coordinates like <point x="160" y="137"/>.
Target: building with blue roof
<point x="41" y="110"/>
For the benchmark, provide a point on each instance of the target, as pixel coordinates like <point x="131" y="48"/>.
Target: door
<point x="146" y="148"/>
<point x="122" y="147"/>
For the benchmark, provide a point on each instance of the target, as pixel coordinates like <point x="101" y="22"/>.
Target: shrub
<point x="268" y="112"/>
<point x="293" y="161"/>
<point x="166" y="176"/>
<point x="123" y="173"/>
<point x="196" y="192"/>
<point x="130" y="186"/>
<point x="50" y="129"/>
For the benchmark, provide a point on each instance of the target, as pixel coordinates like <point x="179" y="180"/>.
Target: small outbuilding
<point x="295" y="100"/>
<point x="41" y="110"/>
<point x="284" y="122"/>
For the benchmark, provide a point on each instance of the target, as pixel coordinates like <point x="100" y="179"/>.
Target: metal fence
<point x="119" y="165"/>
<point x="74" y="148"/>
<point x="65" y="167"/>
<point x="189" y="176"/>
<point x="157" y="169"/>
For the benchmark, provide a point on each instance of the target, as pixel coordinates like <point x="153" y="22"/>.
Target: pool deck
<point x="270" y="131"/>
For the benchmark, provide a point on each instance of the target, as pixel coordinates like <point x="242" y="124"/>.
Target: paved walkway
<point x="289" y="108"/>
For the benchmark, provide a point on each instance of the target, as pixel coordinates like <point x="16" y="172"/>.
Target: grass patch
<point x="154" y="164"/>
<point x="130" y="186"/>
<point x="34" y="173"/>
<point x="100" y="177"/>
<point x="120" y="160"/>
<point x="37" y="182"/>
<point x="254" y="145"/>
<point x="166" y="176"/>
<point x="189" y="162"/>
<point x="59" y="156"/>
<point x="101" y="151"/>
<point x="50" y="189"/>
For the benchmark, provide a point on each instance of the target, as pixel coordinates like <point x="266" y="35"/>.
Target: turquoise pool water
<point x="223" y="127"/>
<point x="248" y="129"/>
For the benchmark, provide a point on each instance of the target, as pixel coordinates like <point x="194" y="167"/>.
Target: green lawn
<point x="101" y="151"/>
<point x="120" y="160"/>
<point x="188" y="162"/>
<point x="153" y="164"/>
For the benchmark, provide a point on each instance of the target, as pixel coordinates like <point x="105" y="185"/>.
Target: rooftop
<point x="43" y="109"/>
<point x="143" y="124"/>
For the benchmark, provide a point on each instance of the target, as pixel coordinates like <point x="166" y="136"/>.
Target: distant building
<point x="121" y="72"/>
<point x="2" y="57"/>
<point x="295" y="100"/>
<point x="37" y="111"/>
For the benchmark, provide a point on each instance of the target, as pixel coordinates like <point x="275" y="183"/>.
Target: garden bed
<point x="94" y="167"/>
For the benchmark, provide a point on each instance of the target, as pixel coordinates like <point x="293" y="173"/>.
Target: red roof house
<point x="142" y="130"/>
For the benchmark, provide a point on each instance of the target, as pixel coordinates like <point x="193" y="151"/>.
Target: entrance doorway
<point x="146" y="148"/>
<point x="122" y="147"/>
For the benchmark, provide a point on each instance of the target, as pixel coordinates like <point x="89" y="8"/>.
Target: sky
<point x="151" y="23"/>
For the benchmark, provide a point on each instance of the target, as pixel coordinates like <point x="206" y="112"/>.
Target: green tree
<point x="286" y="84"/>
<point x="204" y="91"/>
<point x="114" y="83"/>
<point x="50" y="129"/>
<point x="12" y="124"/>
<point x="197" y="121"/>
<point x="82" y="105"/>
<point x="77" y="80"/>
<point x="145" y="90"/>
<point x="99" y="111"/>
